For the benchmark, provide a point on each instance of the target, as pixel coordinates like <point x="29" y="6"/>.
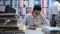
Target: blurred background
<point x="21" y="8"/>
<point x="25" y="6"/>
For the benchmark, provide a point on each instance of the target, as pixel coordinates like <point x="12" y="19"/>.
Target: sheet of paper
<point x="37" y="31"/>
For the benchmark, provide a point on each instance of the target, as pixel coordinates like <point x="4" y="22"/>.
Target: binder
<point x="20" y="11"/>
<point x="4" y="2"/>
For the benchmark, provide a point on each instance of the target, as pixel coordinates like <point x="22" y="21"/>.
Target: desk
<point x="11" y="30"/>
<point x="5" y="28"/>
<point x="37" y="31"/>
<point x="8" y="28"/>
<point x="51" y="30"/>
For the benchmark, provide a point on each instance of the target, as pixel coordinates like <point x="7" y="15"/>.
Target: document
<point x="37" y="31"/>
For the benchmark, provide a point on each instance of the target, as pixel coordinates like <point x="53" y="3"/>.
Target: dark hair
<point x="57" y="0"/>
<point x="37" y="7"/>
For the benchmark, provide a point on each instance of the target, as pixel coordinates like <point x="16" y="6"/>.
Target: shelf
<point x="7" y="13"/>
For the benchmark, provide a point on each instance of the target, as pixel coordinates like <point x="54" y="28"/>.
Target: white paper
<point x="37" y="31"/>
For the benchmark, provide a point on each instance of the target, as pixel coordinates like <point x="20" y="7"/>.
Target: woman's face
<point x="36" y="13"/>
